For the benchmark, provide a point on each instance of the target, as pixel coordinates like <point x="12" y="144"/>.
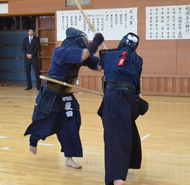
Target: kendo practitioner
<point x="120" y="107"/>
<point x="57" y="110"/>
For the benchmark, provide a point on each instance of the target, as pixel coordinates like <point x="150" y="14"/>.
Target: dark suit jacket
<point x="32" y="48"/>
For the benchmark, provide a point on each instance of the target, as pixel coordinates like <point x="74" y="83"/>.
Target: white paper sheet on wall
<point x="112" y="23"/>
<point x="4" y="8"/>
<point x="168" y="22"/>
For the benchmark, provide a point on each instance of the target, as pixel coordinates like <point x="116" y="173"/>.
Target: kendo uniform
<point x="119" y="110"/>
<point x="57" y="110"/>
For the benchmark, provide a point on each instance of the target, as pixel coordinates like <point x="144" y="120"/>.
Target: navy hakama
<point x="119" y="110"/>
<point x="121" y="137"/>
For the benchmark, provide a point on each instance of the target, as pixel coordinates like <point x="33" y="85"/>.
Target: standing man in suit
<point x="30" y="47"/>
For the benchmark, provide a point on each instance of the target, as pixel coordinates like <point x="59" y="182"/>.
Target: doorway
<point x="12" y="32"/>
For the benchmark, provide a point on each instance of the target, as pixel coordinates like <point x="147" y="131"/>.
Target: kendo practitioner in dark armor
<point x="120" y="107"/>
<point x="57" y="110"/>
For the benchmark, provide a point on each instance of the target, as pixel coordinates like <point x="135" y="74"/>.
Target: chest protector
<point x="120" y="65"/>
<point x="70" y="77"/>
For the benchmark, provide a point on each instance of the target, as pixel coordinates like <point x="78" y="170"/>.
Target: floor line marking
<point x="143" y="138"/>
<point x="175" y="103"/>
<point x="5" y="148"/>
<point x="45" y="144"/>
<point x="3" y="137"/>
<point x="5" y="96"/>
<point x="175" y="130"/>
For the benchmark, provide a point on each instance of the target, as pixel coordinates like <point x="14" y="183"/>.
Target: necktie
<point x="30" y="40"/>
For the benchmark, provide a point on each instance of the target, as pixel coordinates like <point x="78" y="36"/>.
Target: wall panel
<point x="166" y="68"/>
<point x="165" y="85"/>
<point x="20" y="7"/>
<point x="50" y="34"/>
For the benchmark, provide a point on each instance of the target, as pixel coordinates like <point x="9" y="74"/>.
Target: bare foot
<point x="119" y="182"/>
<point x="69" y="162"/>
<point x="33" y="149"/>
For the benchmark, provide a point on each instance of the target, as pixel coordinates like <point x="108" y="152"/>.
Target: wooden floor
<point x="164" y="130"/>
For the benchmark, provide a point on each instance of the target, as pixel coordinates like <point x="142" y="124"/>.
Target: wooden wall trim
<point x="167" y="75"/>
<point x="158" y="86"/>
<point x="173" y="85"/>
<point x="177" y="94"/>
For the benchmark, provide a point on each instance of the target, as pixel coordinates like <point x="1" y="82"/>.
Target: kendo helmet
<point x="131" y="40"/>
<point x="75" y="38"/>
